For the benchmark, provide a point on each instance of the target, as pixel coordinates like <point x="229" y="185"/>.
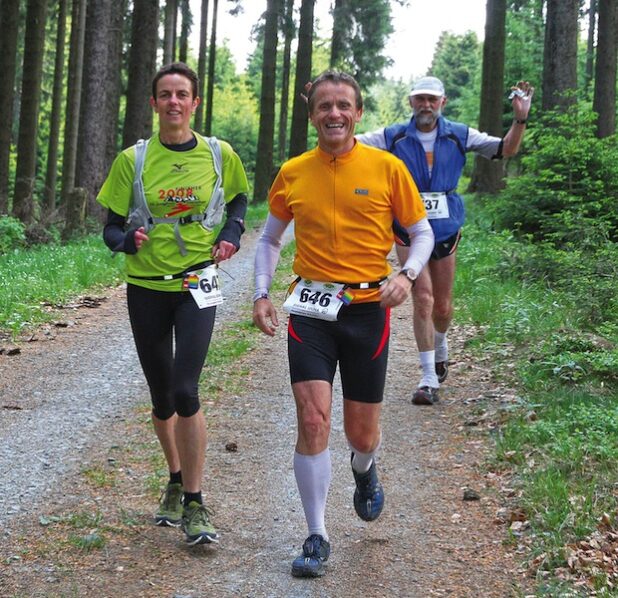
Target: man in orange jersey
<point x="343" y="197"/>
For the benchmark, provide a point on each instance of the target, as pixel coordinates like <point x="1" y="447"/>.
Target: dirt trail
<point x="428" y="541"/>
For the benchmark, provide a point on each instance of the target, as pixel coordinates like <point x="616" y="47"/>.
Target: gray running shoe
<point x="170" y="506"/>
<point x="369" y="494"/>
<point x="310" y="563"/>
<point x="197" y="526"/>
<point x="441" y="370"/>
<point x="425" y="395"/>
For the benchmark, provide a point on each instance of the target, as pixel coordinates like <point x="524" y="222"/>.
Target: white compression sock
<point x="428" y="364"/>
<point x="361" y="462"/>
<point x="313" y="475"/>
<point x="441" y="343"/>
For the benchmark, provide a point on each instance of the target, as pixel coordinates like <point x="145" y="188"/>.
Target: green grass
<point x="559" y="441"/>
<point x="33" y="280"/>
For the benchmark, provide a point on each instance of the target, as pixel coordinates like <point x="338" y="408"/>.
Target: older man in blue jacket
<point x="434" y="150"/>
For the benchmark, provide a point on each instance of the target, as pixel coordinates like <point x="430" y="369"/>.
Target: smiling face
<point x="334" y="115"/>
<point x="174" y="103"/>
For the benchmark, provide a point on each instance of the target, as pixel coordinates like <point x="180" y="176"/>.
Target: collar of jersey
<point x="341" y="159"/>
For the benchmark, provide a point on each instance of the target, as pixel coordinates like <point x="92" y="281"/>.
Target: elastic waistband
<point x="175" y="276"/>
<point x="376" y="284"/>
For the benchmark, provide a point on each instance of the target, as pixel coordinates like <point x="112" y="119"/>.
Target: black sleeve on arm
<point x="114" y="235"/>
<point x="234" y="225"/>
<point x="498" y="155"/>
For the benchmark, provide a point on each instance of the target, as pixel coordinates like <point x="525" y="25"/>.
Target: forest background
<point x="539" y="267"/>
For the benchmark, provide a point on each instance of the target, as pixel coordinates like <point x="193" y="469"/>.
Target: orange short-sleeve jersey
<point x="343" y="209"/>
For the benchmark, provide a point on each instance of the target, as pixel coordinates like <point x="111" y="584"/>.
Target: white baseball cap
<point x="428" y="85"/>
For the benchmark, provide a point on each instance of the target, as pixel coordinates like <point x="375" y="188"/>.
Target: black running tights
<point x="172" y="335"/>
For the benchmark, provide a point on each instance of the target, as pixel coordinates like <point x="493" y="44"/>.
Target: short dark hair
<point x="335" y="77"/>
<point x="181" y="69"/>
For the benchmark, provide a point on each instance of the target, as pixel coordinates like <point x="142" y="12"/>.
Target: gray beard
<point x="427" y="119"/>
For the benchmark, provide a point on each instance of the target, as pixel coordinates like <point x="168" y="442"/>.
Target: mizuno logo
<point x="179" y="167"/>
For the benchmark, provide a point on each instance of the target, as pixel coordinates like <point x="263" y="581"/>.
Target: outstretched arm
<point x="522" y="99"/>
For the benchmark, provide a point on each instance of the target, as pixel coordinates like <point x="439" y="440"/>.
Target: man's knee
<point x="187" y="403"/>
<point x="163" y="412"/>
<point x="442" y="307"/>
<point x="314" y="425"/>
<point x="362" y="443"/>
<point x="423" y="302"/>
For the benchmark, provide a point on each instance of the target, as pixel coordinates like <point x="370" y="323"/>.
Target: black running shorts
<point x="441" y="249"/>
<point x="358" y="341"/>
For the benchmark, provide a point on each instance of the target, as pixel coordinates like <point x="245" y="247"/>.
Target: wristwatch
<point x="260" y="295"/>
<point x="409" y="274"/>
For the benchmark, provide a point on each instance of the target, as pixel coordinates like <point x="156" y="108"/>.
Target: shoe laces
<point x="312" y="546"/>
<point x="200" y="514"/>
<point x="367" y="482"/>
<point x="170" y="496"/>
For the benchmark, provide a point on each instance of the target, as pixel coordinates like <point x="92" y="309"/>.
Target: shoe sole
<point x="203" y="539"/>
<point x="164" y="522"/>
<point x="424" y="399"/>
<point x="309" y="572"/>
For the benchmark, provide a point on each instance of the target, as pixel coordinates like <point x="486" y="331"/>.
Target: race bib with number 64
<point x="204" y="287"/>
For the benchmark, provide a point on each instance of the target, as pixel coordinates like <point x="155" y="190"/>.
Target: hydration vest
<point x="449" y="158"/>
<point x="140" y="214"/>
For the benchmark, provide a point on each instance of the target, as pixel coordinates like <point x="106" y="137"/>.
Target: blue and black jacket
<point x="449" y="158"/>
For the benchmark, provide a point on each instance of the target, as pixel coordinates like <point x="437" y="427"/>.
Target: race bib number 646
<point x="315" y="300"/>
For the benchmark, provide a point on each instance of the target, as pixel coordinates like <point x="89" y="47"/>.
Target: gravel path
<point x="65" y="389"/>
<point x="59" y="409"/>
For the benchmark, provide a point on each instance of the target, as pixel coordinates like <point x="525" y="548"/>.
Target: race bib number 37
<point x="315" y="299"/>
<point x="204" y="287"/>
<point x="436" y="205"/>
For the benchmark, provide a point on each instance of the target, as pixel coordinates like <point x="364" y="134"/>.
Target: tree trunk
<point x="185" y="30"/>
<point x="212" y="54"/>
<point x="25" y="171"/>
<point x="112" y="99"/>
<point x="560" y="54"/>
<point x="74" y="94"/>
<point x="592" y="25"/>
<point x="75" y="213"/>
<point x="264" y="158"/>
<point x="201" y="67"/>
<point x="341" y="31"/>
<point x="142" y="64"/>
<point x="604" y="102"/>
<point x="9" y="21"/>
<point x="289" y="31"/>
<point x="298" y="136"/>
<point x="98" y="83"/>
<point x="169" y="31"/>
<point x="54" y="130"/>
<point x="488" y="175"/>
